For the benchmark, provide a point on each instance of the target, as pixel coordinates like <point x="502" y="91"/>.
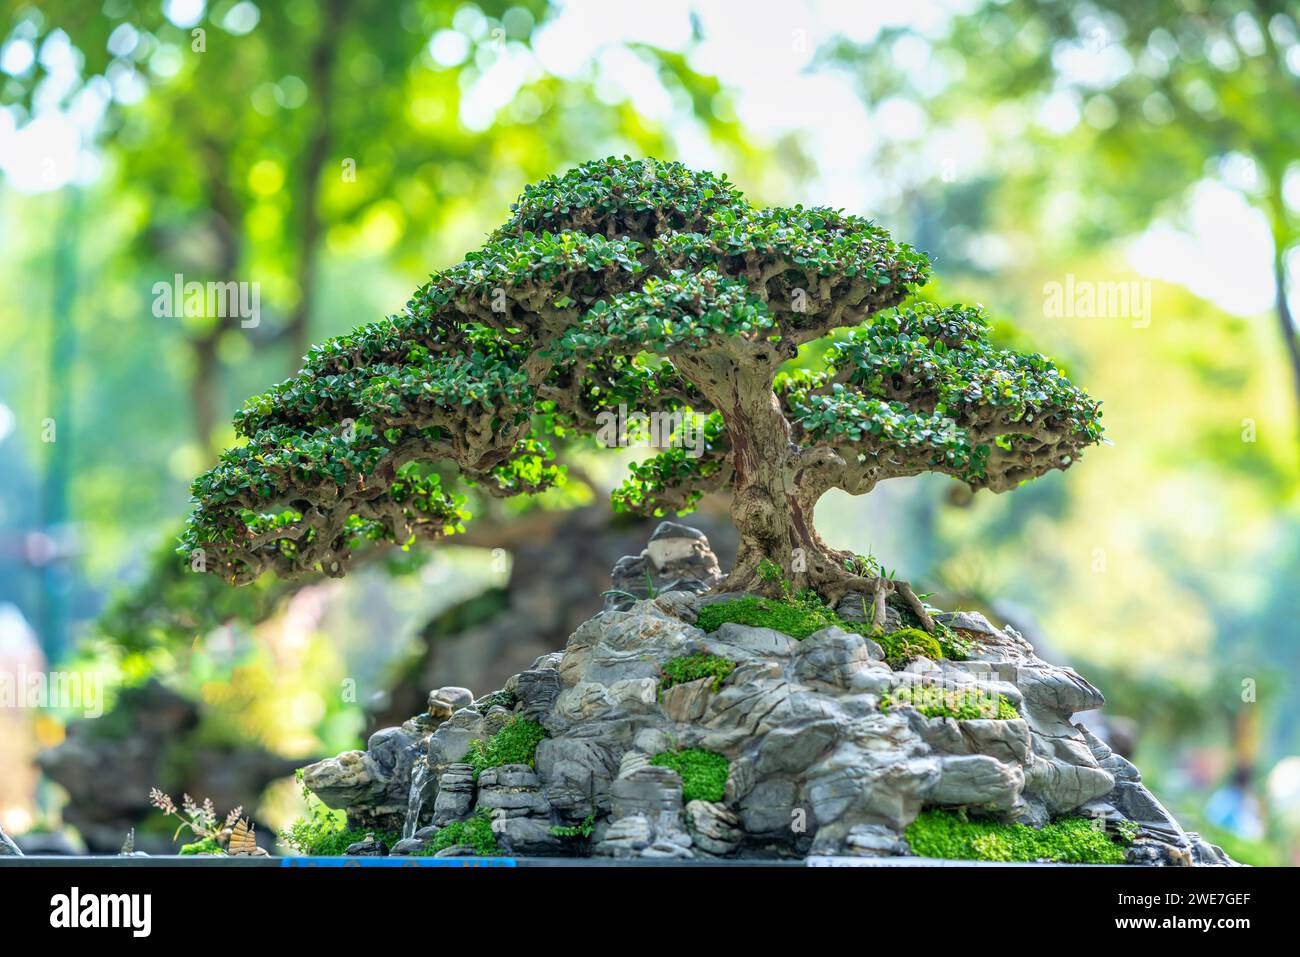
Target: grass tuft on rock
<point x="1068" y="840"/>
<point x="515" y="743"/>
<point x="703" y="773"/>
<point x="687" y="668"/>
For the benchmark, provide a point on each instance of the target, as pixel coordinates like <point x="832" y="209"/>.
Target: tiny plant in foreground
<point x="200" y="819"/>
<point x="324" y="832"/>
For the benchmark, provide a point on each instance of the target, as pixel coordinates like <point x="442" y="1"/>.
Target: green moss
<point x="964" y="704"/>
<point x="806" y="614"/>
<point x="476" y="832"/>
<point x="904" y="645"/>
<point x="797" y="617"/>
<point x="694" y="667"/>
<point x="515" y="743"/>
<point x="1071" y="840"/>
<point x="205" y="846"/>
<point x="703" y="773"/>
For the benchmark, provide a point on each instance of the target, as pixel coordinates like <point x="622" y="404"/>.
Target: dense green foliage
<point x="590" y="296"/>
<point x="694" y="667"/>
<point x="324" y="832"/>
<point x="964" y="704"/>
<point x="703" y="773"/>
<point x="515" y="743"/>
<point x="1071" y="840"/>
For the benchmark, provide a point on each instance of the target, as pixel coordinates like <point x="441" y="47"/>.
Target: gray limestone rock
<point x="444" y="702"/>
<point x="676" y="559"/>
<point x="455" y="798"/>
<point x="371" y="846"/>
<point x="535" y="690"/>
<point x="7" y="847"/>
<point x="528" y="836"/>
<point x="874" y="840"/>
<point x="408" y="845"/>
<point x="714" y="829"/>
<point x="855" y="606"/>
<point x="626" y="837"/>
<point x="511" y="791"/>
<point x="979" y="780"/>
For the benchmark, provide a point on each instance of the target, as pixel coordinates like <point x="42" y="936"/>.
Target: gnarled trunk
<point x="774" y="498"/>
<point x="777" y="488"/>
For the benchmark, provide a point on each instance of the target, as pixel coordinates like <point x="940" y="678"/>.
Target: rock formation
<point x="557" y="574"/>
<point x="788" y="748"/>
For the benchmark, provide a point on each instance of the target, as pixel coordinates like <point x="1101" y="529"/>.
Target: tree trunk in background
<point x="205" y="379"/>
<point x="58" y="469"/>
<point x="1286" y="321"/>
<point x="319" y="142"/>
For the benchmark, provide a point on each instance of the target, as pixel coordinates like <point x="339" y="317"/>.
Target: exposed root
<point x="832" y="584"/>
<point x="879" y="589"/>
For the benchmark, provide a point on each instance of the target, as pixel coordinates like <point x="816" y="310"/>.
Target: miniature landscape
<point x="808" y="703"/>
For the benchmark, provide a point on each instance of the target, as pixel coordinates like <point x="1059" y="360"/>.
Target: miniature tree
<point x="646" y="285"/>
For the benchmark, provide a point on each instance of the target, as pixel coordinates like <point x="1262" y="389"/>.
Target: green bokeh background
<point x="337" y="152"/>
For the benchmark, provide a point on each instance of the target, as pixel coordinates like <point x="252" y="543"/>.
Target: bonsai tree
<point x="643" y="285"/>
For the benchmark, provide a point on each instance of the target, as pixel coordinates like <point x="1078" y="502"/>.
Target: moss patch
<point x="694" y="667"/>
<point x="904" y="645"/>
<point x="205" y="846"/>
<point x="703" y="773"/>
<point x="476" y="832"/>
<point x="964" y="704"/>
<point x="806" y="614"/>
<point x="515" y="743"/>
<point x="1071" y="840"/>
<point x="796" y="617"/>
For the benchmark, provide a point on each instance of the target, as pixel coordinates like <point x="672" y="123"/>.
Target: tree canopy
<point x="642" y="284"/>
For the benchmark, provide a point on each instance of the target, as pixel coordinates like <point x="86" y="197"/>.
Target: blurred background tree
<point x="337" y="152"/>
